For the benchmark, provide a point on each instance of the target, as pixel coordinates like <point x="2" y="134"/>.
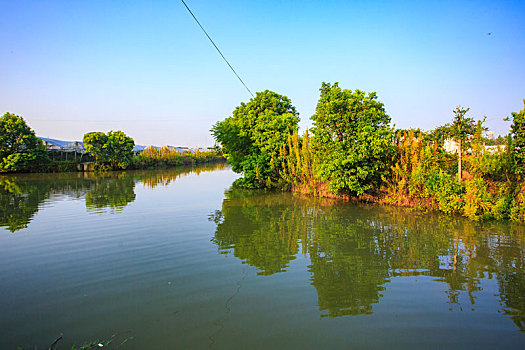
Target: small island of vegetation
<point x="353" y="152"/>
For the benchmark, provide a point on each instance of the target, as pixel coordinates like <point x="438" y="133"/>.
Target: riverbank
<point x="353" y="152"/>
<point x="476" y="198"/>
<point x="137" y="163"/>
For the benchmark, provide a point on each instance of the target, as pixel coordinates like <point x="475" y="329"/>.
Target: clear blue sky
<point x="70" y="67"/>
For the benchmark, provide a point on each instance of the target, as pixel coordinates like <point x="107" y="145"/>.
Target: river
<point x="178" y="259"/>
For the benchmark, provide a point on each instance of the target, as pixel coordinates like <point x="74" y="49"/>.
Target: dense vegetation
<point x="22" y="151"/>
<point x="253" y="135"/>
<point x="352" y="140"/>
<point x="153" y="158"/>
<point x="114" y="149"/>
<point x="353" y="152"/>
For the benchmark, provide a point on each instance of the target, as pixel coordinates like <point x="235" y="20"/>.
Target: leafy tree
<point x="440" y="134"/>
<point x="461" y="130"/>
<point x="95" y="142"/>
<point x="20" y="149"/>
<point x="352" y="139"/>
<point x="115" y="148"/>
<point x="500" y="140"/>
<point x="119" y="149"/>
<point x="518" y="140"/>
<point x="251" y="138"/>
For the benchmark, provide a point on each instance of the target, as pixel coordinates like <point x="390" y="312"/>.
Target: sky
<point x="146" y="68"/>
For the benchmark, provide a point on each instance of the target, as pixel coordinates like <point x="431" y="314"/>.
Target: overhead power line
<point x="219" y="51"/>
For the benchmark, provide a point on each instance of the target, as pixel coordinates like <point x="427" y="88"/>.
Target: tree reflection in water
<point x="22" y="195"/>
<point x="355" y="250"/>
<point x="114" y="192"/>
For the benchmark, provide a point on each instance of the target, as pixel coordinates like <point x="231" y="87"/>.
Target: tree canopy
<point x="461" y="130"/>
<point x="251" y="138"/>
<point x="20" y="149"/>
<point x="352" y="139"/>
<point x="518" y="136"/>
<point x="114" y="148"/>
<point x="94" y="143"/>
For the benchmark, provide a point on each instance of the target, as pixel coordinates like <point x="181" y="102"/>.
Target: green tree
<point x="95" y="142"/>
<point x="352" y="139"/>
<point x="518" y="140"/>
<point x="20" y="149"/>
<point x="119" y="149"/>
<point x="461" y="130"/>
<point x="440" y="134"/>
<point x="114" y="148"/>
<point x="251" y="138"/>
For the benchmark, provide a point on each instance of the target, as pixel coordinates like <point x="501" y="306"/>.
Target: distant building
<point x="181" y="150"/>
<point x="60" y="149"/>
<point x="54" y="145"/>
<point x="451" y="146"/>
<point x="495" y="149"/>
<point x="138" y="148"/>
<point x="75" y="146"/>
<point x="199" y="149"/>
<point x="78" y="146"/>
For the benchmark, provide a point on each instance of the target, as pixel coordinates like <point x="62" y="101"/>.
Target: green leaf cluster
<point x="352" y="139"/>
<point x="114" y="148"/>
<point x="252" y="137"/>
<point x="20" y="149"/>
<point x="518" y="137"/>
<point x="462" y="128"/>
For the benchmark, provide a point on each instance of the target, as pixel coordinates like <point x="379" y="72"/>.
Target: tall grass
<point x="152" y="158"/>
<point x="423" y="175"/>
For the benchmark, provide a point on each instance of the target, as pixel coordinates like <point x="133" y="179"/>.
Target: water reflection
<point x="354" y="251"/>
<point x="23" y="195"/>
<point x="259" y="229"/>
<point x="152" y="179"/>
<point x="112" y="192"/>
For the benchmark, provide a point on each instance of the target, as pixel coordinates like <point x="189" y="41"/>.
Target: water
<point x="178" y="259"/>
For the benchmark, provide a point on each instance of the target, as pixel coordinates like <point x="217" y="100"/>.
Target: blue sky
<point x="70" y="67"/>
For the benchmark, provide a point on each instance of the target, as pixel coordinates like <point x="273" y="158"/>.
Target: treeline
<point x="114" y="150"/>
<point x="153" y="158"/>
<point x="22" y="151"/>
<point x="352" y="151"/>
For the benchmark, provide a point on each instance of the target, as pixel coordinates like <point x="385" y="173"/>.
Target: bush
<point x="352" y="140"/>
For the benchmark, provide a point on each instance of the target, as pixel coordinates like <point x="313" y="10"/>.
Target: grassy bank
<point x="421" y="174"/>
<point x="152" y="158"/>
<point x="147" y="160"/>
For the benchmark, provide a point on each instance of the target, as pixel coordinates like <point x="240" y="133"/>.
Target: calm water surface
<point x="178" y="259"/>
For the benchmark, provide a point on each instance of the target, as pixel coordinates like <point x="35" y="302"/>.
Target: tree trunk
<point x="460" y="152"/>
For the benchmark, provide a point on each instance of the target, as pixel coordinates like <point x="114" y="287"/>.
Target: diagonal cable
<point x="219" y="51"/>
